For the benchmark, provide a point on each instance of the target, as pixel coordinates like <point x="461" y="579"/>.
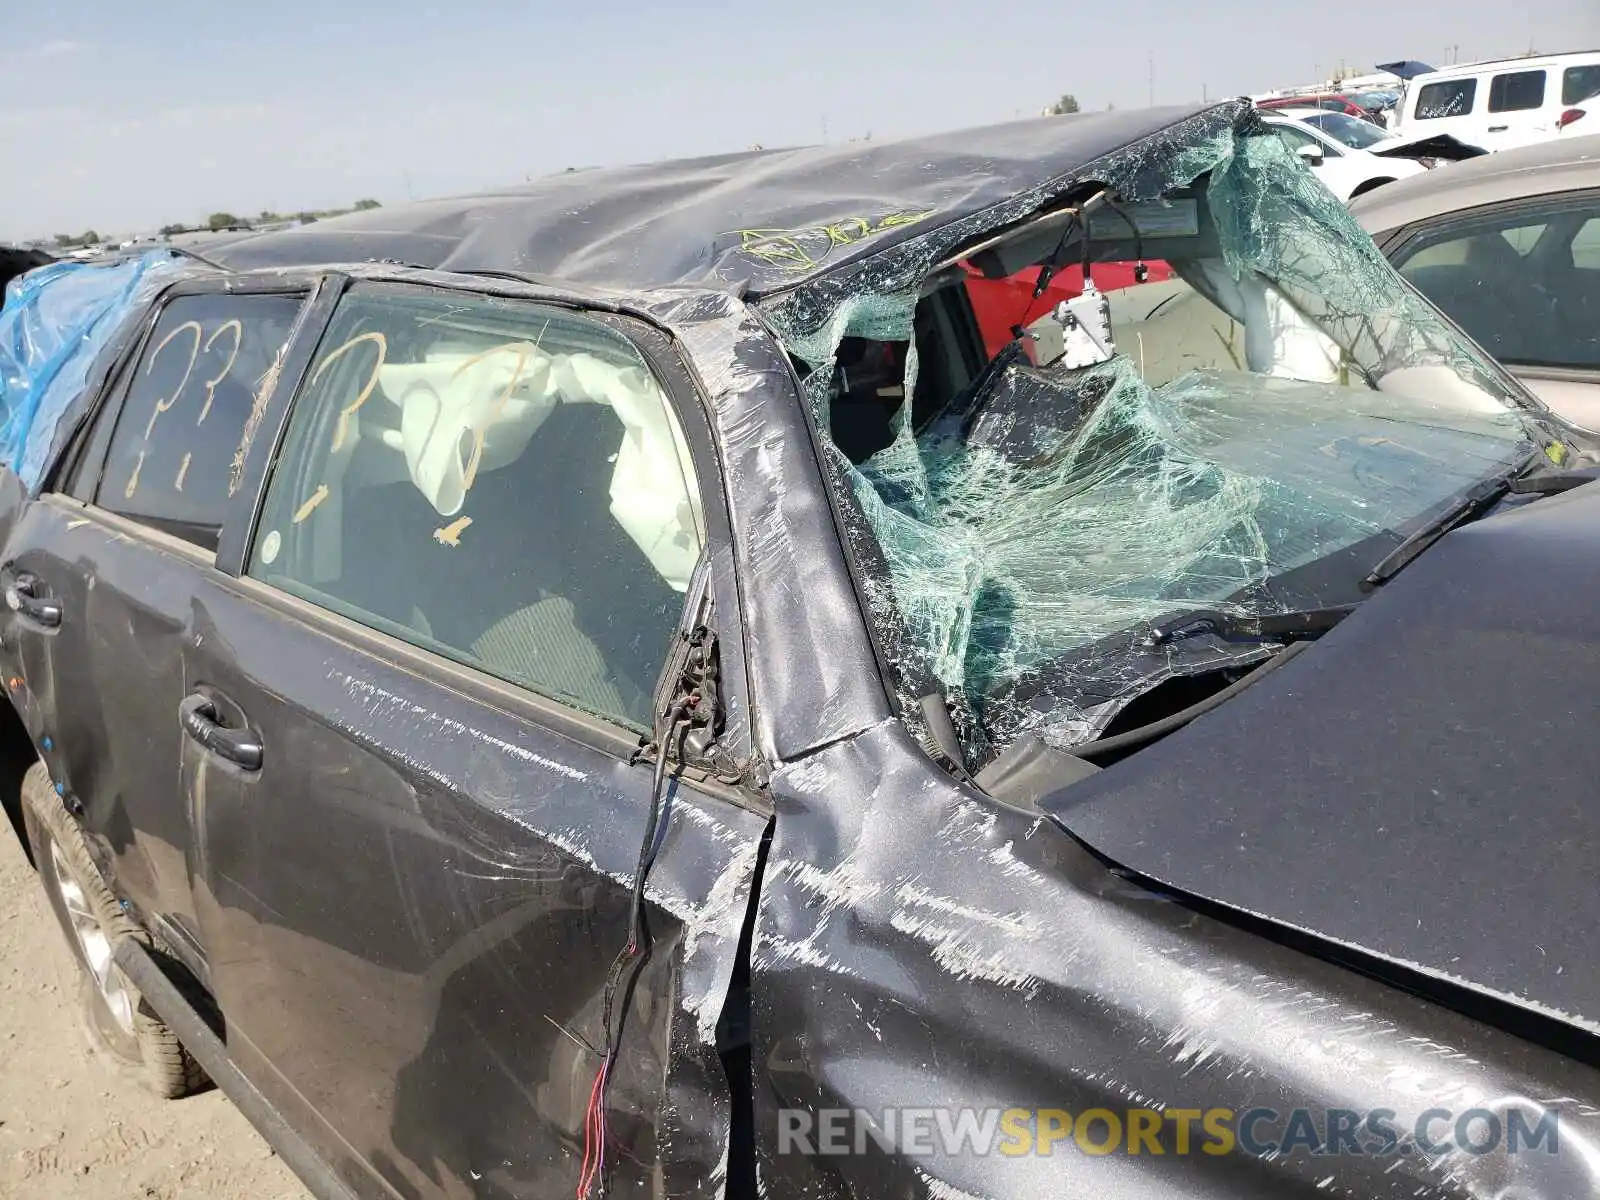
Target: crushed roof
<point x="755" y="222"/>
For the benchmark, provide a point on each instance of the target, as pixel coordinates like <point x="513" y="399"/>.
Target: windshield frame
<point x="905" y="677"/>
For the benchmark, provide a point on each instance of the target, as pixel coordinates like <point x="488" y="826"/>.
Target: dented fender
<point x="919" y="945"/>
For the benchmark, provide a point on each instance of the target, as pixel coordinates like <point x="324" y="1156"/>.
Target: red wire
<point x="585" y="1177"/>
<point x="591" y="1121"/>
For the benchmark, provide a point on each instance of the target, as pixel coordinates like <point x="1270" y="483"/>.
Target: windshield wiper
<point x="1549" y="483"/>
<point x="1472" y="503"/>
<point x="1304" y="625"/>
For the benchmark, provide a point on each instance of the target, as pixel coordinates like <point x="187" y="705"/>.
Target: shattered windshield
<point x="1267" y="412"/>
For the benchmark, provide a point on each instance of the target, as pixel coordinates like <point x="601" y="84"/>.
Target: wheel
<point x="118" y="1018"/>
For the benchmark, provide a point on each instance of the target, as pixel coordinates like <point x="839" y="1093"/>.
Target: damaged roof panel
<point x="761" y="221"/>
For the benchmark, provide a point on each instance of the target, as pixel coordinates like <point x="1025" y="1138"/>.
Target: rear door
<point x="101" y="577"/>
<point x="413" y="723"/>
<point x="1579" y="109"/>
<point x="1522" y="109"/>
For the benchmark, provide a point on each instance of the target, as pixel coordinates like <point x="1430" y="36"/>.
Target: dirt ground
<point x="71" y="1126"/>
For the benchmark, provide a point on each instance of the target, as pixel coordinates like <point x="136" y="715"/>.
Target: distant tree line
<point x="224" y="220"/>
<point x="1066" y="106"/>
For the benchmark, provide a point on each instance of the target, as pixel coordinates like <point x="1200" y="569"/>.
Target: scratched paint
<point x="259" y="397"/>
<point x="1103" y="990"/>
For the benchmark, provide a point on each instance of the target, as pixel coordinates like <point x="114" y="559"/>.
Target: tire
<point x="118" y="1019"/>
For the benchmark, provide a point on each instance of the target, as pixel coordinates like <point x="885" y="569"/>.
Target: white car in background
<point x="1352" y="156"/>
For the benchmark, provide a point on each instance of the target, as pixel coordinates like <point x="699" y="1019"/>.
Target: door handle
<point x="198" y="715"/>
<point x="23" y="596"/>
<point x="1498" y="128"/>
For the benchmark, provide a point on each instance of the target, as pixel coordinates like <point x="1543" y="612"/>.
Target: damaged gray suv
<point x="608" y="688"/>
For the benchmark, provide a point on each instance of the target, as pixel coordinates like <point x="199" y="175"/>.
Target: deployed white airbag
<point x="462" y="412"/>
<point x="1278" y="339"/>
<point x="651" y="496"/>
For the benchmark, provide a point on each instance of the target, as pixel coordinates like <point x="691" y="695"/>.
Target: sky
<point x="123" y="117"/>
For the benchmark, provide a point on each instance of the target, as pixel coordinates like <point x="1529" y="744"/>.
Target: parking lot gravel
<point x="72" y="1125"/>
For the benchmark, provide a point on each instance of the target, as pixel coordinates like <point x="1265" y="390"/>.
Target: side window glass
<point x="1448" y="98"/>
<point x="496" y="481"/>
<point x="1580" y="83"/>
<point x="1474" y="248"/>
<point x="1516" y="92"/>
<point x="172" y="457"/>
<point x="1586" y="249"/>
<point x="85" y="476"/>
<point x="1518" y="282"/>
<point x="1523" y="238"/>
<point x="1296" y="138"/>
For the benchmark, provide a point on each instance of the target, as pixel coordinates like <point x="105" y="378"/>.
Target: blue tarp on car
<point x="56" y="320"/>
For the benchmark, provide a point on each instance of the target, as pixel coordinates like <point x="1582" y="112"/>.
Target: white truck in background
<point x="1505" y="103"/>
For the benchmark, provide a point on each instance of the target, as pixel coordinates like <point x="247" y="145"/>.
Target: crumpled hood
<point x="1419" y="788"/>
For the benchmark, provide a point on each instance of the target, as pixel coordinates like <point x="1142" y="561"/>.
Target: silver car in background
<point x="1509" y="247"/>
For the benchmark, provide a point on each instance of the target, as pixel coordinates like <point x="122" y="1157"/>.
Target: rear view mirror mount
<point x="1076" y="334"/>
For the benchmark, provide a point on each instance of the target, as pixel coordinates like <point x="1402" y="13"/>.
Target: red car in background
<point x="1001" y="304"/>
<point x="1328" y="102"/>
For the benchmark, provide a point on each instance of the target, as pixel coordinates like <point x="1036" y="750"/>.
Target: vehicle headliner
<point x="1561" y="165"/>
<point x="755" y="223"/>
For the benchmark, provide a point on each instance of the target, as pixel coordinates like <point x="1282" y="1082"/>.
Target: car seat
<point x="1485" y="295"/>
<point x="543" y="587"/>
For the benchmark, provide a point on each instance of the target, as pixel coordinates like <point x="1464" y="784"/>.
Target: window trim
<point x="77" y="474"/>
<point x="1397" y="239"/>
<point x="480" y="687"/>
<point x="689" y="402"/>
<point x="81" y="468"/>
<point x="156" y="538"/>
<point x="1544" y="90"/>
<point x="1568" y="72"/>
<point x="244" y="506"/>
<point x="1589" y="375"/>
